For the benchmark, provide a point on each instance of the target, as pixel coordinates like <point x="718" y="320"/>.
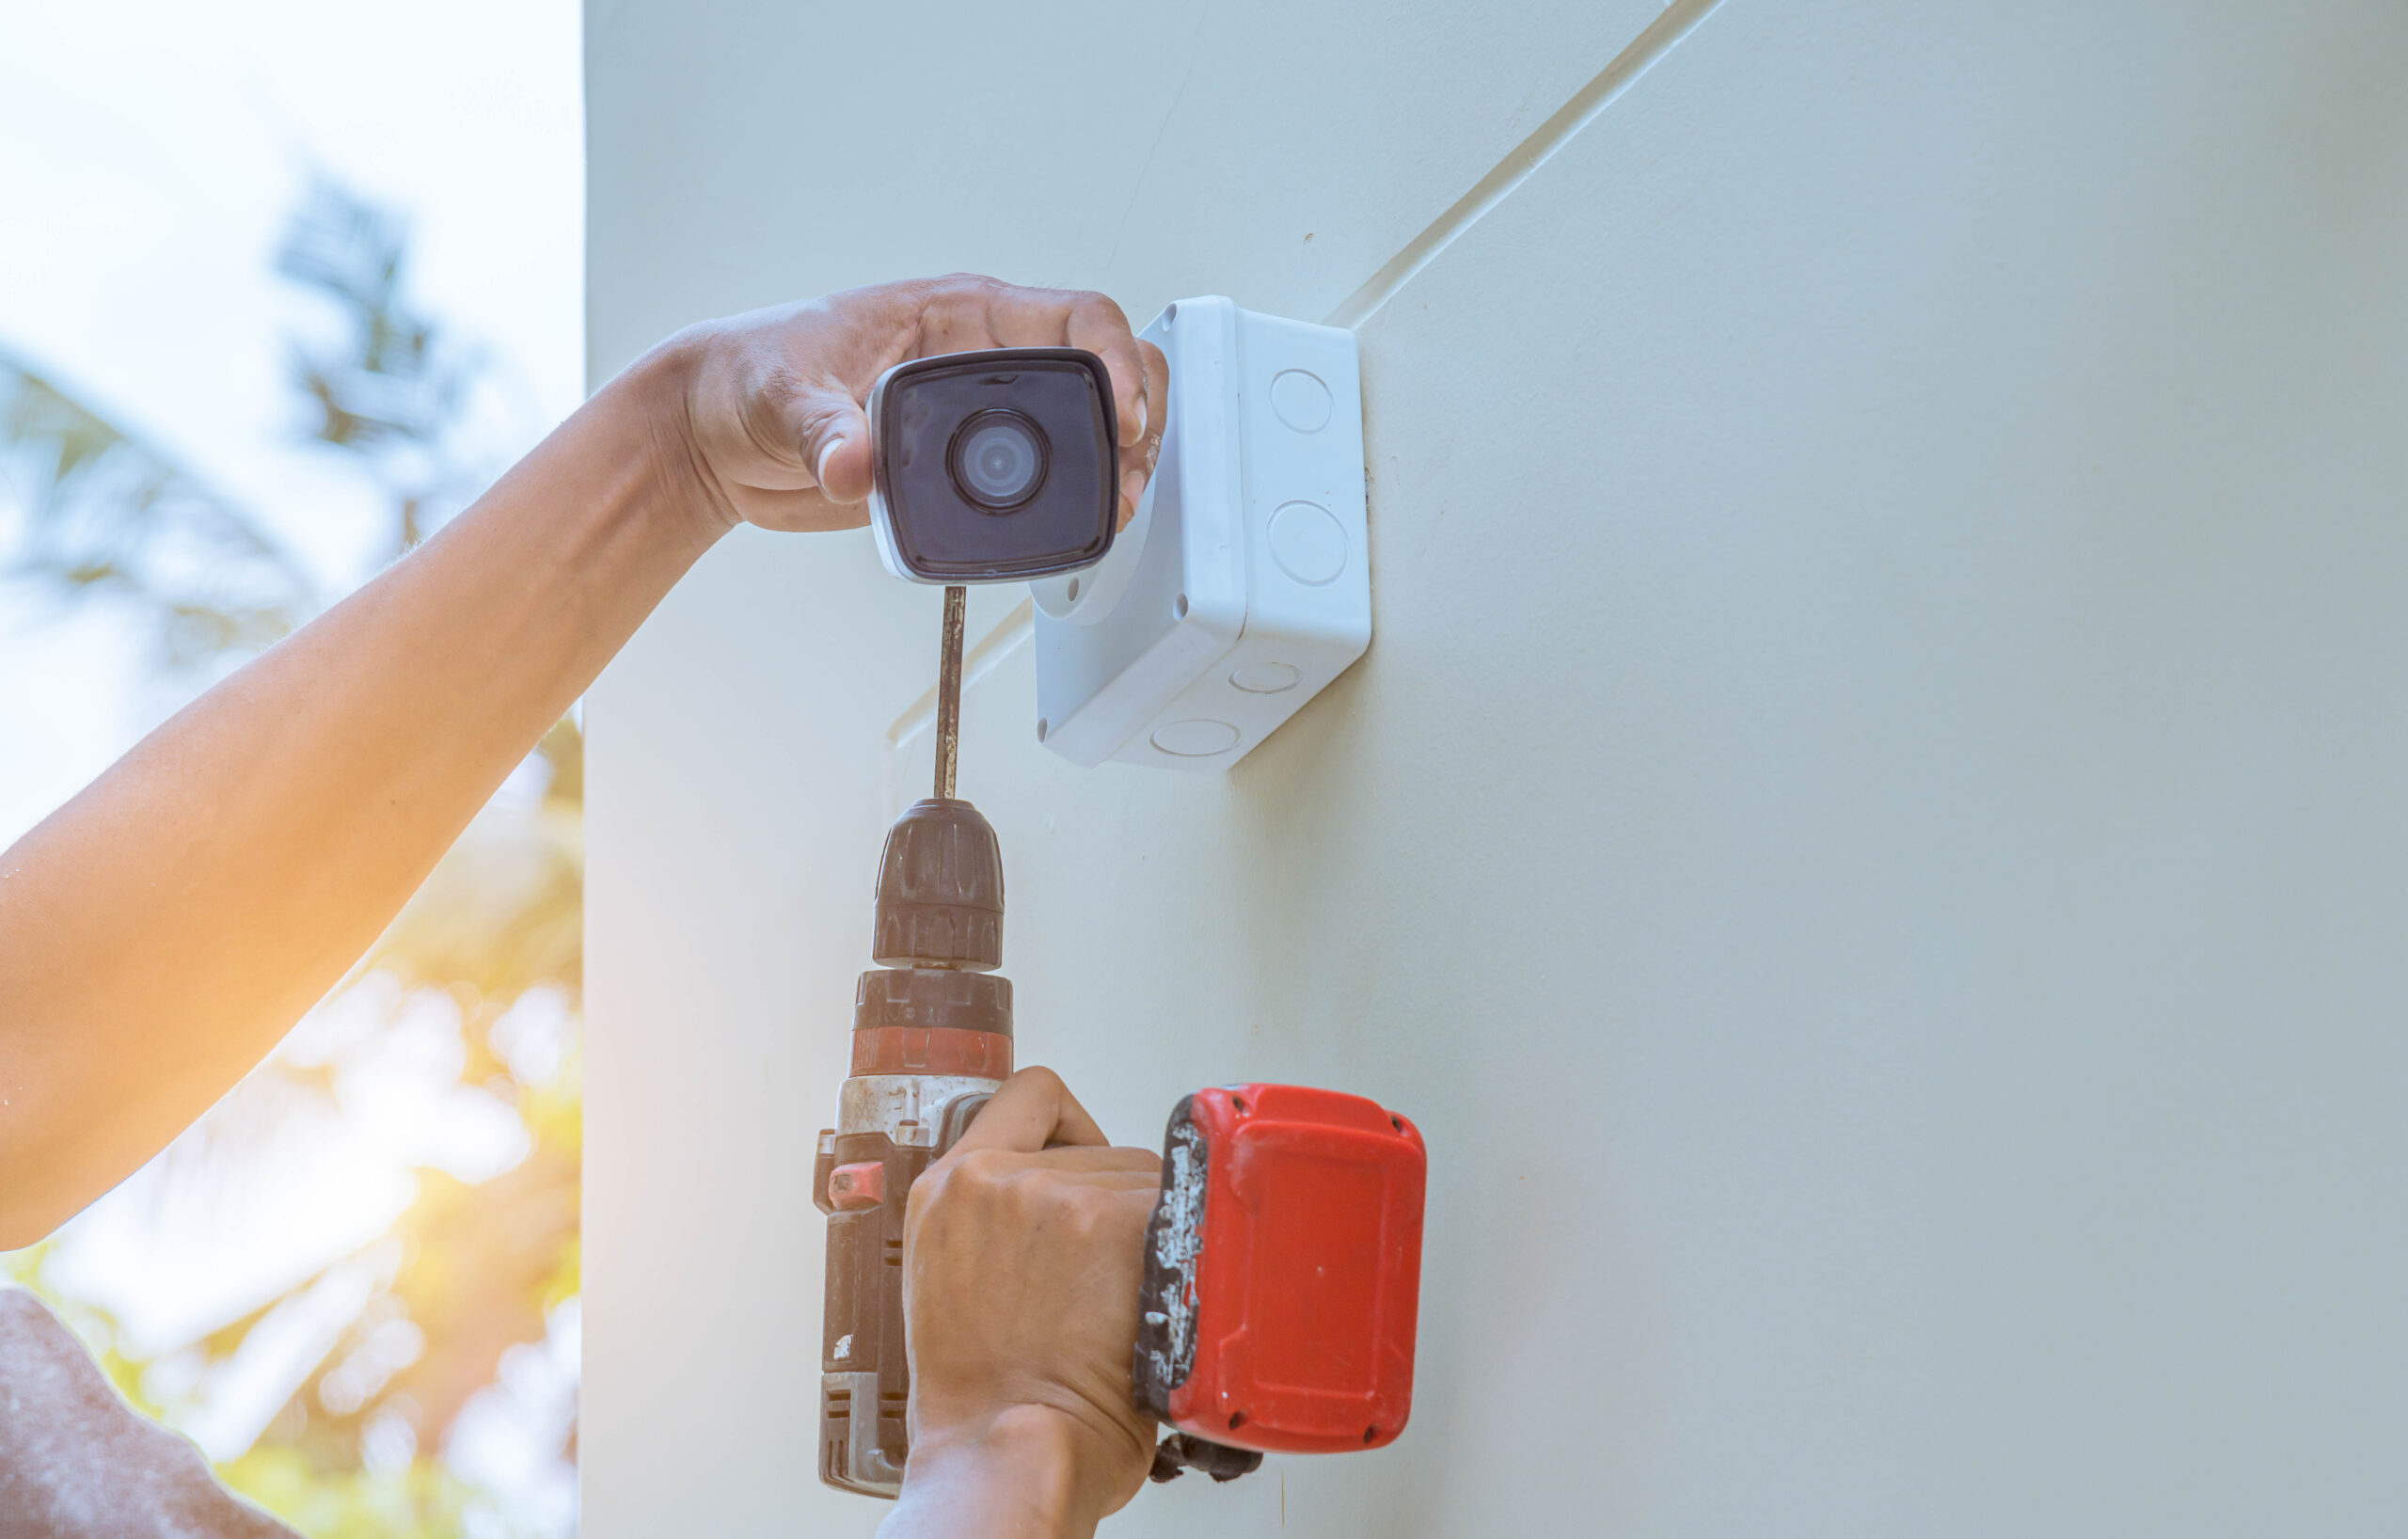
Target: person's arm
<point x="1023" y="1254"/>
<point x="161" y="931"/>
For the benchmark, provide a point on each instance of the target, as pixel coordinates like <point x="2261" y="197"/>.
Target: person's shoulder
<point x="77" y="1461"/>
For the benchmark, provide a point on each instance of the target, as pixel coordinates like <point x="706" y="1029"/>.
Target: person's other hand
<point x="765" y="410"/>
<point x="1023" y="1254"/>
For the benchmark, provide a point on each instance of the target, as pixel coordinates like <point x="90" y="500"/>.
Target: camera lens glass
<point x="999" y="459"/>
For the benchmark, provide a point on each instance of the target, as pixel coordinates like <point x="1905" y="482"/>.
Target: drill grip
<point x="865" y="1380"/>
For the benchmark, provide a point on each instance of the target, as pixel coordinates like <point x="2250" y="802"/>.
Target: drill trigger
<point x="959" y="1114"/>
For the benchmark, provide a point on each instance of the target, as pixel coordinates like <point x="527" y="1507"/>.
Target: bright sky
<point x="149" y="151"/>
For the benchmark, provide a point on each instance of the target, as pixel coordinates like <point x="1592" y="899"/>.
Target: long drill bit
<point x="949" y="693"/>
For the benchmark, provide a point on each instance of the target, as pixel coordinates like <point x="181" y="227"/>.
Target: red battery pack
<point x="1283" y="1271"/>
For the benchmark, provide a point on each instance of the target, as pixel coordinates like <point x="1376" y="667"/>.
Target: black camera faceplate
<point x="1066" y="522"/>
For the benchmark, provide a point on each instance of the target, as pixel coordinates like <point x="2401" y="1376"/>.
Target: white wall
<point x="1871" y="835"/>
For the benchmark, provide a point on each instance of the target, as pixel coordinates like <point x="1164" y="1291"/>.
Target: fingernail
<point x="1141" y="416"/>
<point x="1132" y="486"/>
<point x="820" y="471"/>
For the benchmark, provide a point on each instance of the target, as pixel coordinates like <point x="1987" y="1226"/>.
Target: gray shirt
<point x="76" y="1461"/>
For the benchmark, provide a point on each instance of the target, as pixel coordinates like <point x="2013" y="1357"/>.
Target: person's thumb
<point x="833" y="437"/>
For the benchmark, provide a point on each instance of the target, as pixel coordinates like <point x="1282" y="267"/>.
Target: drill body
<point x="932" y="1039"/>
<point x="1283" y="1261"/>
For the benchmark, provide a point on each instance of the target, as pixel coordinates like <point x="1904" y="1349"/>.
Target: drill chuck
<point x="940" y="891"/>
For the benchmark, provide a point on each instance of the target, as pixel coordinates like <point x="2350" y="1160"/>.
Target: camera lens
<point x="999" y="459"/>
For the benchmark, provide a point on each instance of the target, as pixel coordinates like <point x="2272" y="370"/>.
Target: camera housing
<point x="997" y="466"/>
<point x="1242" y="586"/>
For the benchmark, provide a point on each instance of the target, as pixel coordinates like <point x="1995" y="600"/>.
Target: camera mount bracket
<point x="1242" y="585"/>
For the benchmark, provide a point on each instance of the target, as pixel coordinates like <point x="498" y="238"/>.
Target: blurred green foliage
<point x="421" y="1502"/>
<point x="101" y="515"/>
<point x="389" y="387"/>
<point x="98" y="514"/>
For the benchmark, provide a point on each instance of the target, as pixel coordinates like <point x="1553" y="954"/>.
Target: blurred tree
<point x="388" y="388"/>
<point x="97" y="514"/>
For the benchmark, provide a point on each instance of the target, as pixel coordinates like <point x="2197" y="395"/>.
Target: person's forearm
<point x="161" y="931"/>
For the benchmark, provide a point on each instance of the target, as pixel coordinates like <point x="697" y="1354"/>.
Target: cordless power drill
<point x="1282" y="1263"/>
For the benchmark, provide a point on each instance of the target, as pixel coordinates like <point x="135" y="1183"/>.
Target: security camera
<point x="994" y="467"/>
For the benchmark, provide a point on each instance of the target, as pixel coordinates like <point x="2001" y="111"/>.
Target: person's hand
<point x="1022" y="1253"/>
<point x="765" y="414"/>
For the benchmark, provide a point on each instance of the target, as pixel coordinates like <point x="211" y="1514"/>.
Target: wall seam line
<point x="1589" y="103"/>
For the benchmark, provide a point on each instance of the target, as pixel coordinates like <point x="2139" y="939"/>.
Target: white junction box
<point x="1242" y="585"/>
